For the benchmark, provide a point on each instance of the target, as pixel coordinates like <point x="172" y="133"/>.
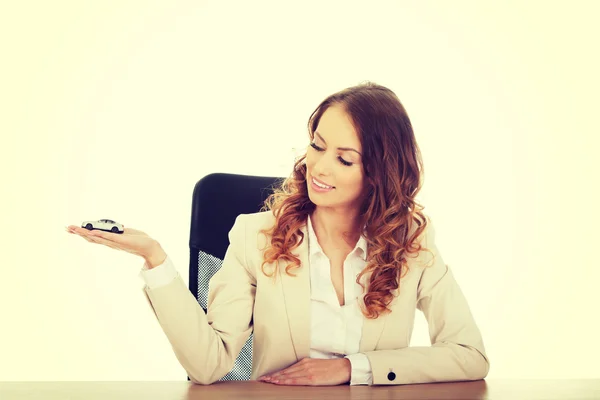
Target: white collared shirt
<point x="335" y="330"/>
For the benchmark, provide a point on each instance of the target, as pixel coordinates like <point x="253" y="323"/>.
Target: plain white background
<point x="115" y="109"/>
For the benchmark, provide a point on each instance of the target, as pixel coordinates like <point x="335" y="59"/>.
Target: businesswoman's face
<point x="334" y="159"/>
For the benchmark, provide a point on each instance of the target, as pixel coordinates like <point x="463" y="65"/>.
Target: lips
<point x="322" y="183"/>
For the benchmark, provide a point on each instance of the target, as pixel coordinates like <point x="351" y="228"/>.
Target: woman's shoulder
<point x="258" y="220"/>
<point x="254" y="223"/>
<point x="426" y="239"/>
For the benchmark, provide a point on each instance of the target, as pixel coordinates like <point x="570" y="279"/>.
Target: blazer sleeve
<point x="457" y="352"/>
<point x="207" y="345"/>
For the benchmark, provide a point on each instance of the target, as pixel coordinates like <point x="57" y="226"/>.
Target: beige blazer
<point x="242" y="299"/>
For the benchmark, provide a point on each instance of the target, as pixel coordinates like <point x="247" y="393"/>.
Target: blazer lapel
<point x="371" y="332"/>
<point x="373" y="328"/>
<point x="296" y="293"/>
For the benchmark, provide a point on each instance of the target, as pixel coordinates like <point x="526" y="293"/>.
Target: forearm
<point x="156" y="256"/>
<point x="441" y="362"/>
<point x="347" y="366"/>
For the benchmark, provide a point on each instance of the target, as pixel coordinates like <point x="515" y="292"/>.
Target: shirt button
<point x="391" y="376"/>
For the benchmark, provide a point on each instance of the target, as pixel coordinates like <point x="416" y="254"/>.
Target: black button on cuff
<point x="391" y="376"/>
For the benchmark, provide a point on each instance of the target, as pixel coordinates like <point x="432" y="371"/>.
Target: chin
<point x="320" y="202"/>
<point x="315" y="199"/>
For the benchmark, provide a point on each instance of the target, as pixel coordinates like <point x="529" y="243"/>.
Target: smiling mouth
<point x="314" y="182"/>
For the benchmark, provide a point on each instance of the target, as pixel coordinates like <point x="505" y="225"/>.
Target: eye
<point x="315" y="147"/>
<point x="347" y="163"/>
<point x="344" y="161"/>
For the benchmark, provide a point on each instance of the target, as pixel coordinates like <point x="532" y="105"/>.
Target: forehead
<point x="336" y="127"/>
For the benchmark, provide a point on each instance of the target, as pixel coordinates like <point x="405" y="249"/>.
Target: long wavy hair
<point x="393" y="170"/>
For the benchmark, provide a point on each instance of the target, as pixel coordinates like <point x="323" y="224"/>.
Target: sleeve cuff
<point x="160" y="275"/>
<point x="361" y="369"/>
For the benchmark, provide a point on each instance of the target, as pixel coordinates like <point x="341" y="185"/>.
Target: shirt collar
<point x="314" y="246"/>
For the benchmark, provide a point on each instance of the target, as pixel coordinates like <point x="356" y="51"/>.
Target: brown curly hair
<point x="392" y="167"/>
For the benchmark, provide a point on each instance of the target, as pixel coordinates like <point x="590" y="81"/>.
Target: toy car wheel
<point x="89" y="227"/>
<point x="114" y="229"/>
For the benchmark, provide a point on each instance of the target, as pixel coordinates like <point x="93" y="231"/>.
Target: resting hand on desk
<point x="312" y="372"/>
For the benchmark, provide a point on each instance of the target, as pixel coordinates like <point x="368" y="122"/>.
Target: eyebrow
<point x="339" y="148"/>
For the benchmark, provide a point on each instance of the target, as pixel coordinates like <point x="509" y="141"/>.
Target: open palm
<point x="131" y="240"/>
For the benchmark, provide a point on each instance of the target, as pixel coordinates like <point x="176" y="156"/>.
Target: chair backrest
<point x="217" y="201"/>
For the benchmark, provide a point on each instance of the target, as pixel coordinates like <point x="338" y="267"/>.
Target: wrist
<point x="348" y="367"/>
<point x="156" y="257"/>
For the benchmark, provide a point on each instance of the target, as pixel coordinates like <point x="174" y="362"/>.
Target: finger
<point x="113" y="238"/>
<point x="293" y="369"/>
<point x="80" y="231"/>
<point x="107" y="243"/>
<point x="291" y="372"/>
<point x="100" y="240"/>
<point x="83" y="233"/>
<point x="300" y="381"/>
<point x="290" y="375"/>
<point x="102" y="234"/>
<point x="98" y="237"/>
<point x="89" y="239"/>
<point x="76" y="231"/>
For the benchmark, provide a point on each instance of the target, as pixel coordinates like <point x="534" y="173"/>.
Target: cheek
<point x="310" y="162"/>
<point x="352" y="182"/>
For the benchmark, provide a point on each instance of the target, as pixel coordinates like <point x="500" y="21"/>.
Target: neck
<point x="336" y="227"/>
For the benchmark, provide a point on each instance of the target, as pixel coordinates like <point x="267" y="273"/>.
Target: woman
<point x="329" y="274"/>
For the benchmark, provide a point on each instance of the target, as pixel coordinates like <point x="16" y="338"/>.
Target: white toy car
<point x="107" y="225"/>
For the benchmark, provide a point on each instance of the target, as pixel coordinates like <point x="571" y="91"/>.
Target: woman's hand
<point x="131" y="240"/>
<point x="313" y="372"/>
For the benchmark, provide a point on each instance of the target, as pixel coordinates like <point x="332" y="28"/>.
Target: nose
<point x="322" y="167"/>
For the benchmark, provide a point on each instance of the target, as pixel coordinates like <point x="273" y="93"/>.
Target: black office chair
<point x="217" y="201"/>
